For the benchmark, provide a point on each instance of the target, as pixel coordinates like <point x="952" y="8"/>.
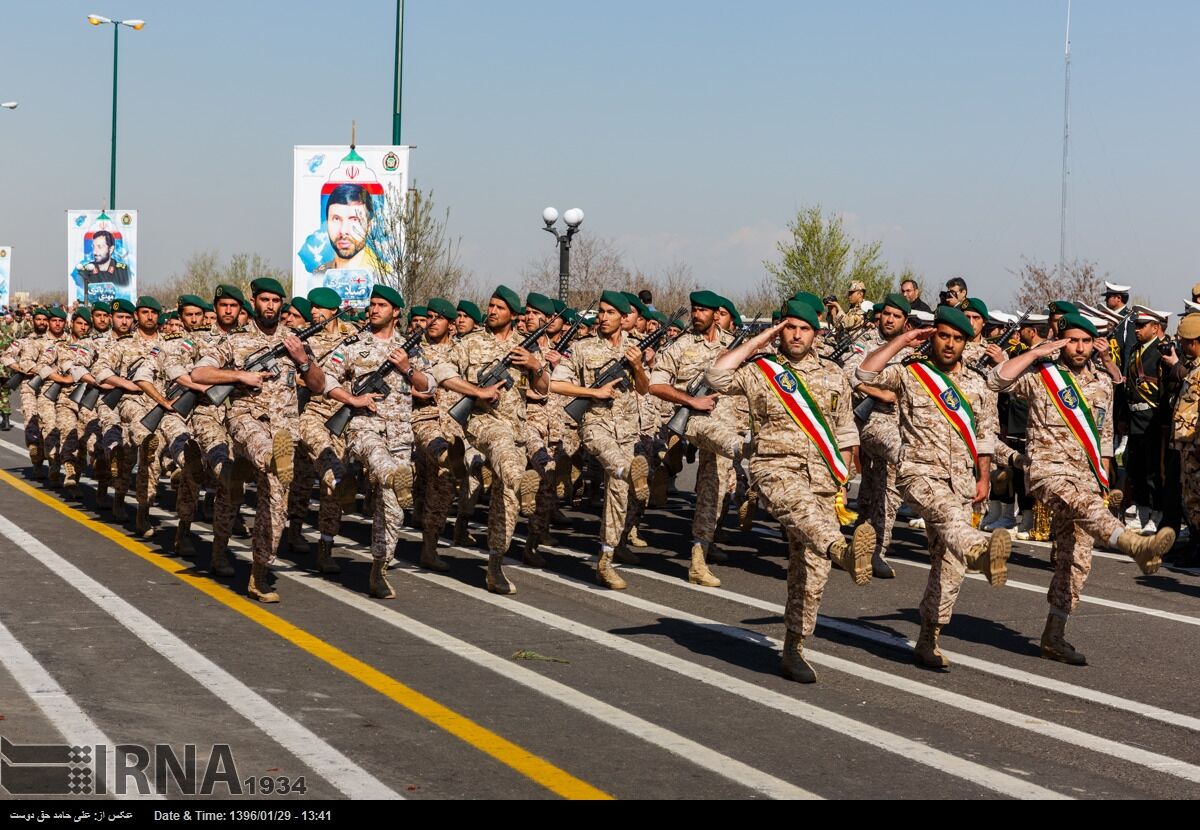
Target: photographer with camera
<point x="853" y="316"/>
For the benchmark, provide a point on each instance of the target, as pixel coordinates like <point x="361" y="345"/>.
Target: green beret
<point x="704" y="299"/>
<point x="205" y="305"/>
<point x="41" y="311"/>
<point x="897" y="302"/>
<point x="1062" y="307"/>
<point x="444" y="307"/>
<point x="1074" y="320"/>
<point x="617" y="300"/>
<point x="167" y="316"/>
<point x="660" y="317"/>
<point x="324" y="298"/>
<point x="86" y="313"/>
<point x="101" y="307"/>
<point x="680" y="324"/>
<point x="149" y="302"/>
<point x="814" y="302"/>
<point x="471" y="310"/>
<point x="542" y="303"/>
<point x="266" y="285"/>
<point x="417" y="311"/>
<point x="801" y="311"/>
<point x="190" y="299"/>
<point x="57" y="312"/>
<point x="510" y="298"/>
<point x="227" y="292"/>
<point x="303" y="306"/>
<point x="119" y="305"/>
<point x="954" y="318"/>
<point x="636" y="305"/>
<point x="248" y="306"/>
<point x="776" y="316"/>
<point x="386" y="292"/>
<point x="977" y="305"/>
<point x="559" y="305"/>
<point x="728" y="305"/>
<point x="570" y="315"/>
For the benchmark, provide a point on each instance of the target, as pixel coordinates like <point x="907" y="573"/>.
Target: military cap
<point x="84" y="312"/>
<point x="857" y="285"/>
<point x="324" y="298"/>
<point x="559" y="305"/>
<point x="801" y="311"/>
<point x="42" y="311"/>
<point x="776" y="316"/>
<point x="682" y="324"/>
<point x="1189" y="327"/>
<point x="1034" y="320"/>
<point x="1074" y="320"/>
<point x="167" y="316"/>
<point x="509" y="298"/>
<point x="540" y="302"/>
<point x="570" y="315"/>
<point x="101" y="307"/>
<point x="248" y="306"/>
<point x="635" y="304"/>
<point x="471" y="310"/>
<point x="660" y="317"/>
<point x="146" y="301"/>
<point x="57" y="312"/>
<point x="1190" y="308"/>
<point x="728" y="305"/>
<point x="226" y="292"/>
<point x="897" y="302"/>
<point x="955" y="319"/>
<point x="977" y="305"/>
<point x="386" y="292"/>
<point x="704" y="299"/>
<point x="1110" y="288"/>
<point x="121" y="305"/>
<point x="812" y="299"/>
<point x="1062" y="307"/>
<point x="303" y="306"/>
<point x="617" y="300"/>
<point x="189" y="299"/>
<point x="417" y="311"/>
<point x="266" y="285"/>
<point x="444" y="307"/>
<point x="1145" y="314"/>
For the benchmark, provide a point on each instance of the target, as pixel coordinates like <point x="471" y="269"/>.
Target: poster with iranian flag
<point x="345" y="209"/>
<point x="101" y="256"/>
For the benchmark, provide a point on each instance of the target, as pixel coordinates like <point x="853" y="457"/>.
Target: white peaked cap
<point x="1112" y="288"/>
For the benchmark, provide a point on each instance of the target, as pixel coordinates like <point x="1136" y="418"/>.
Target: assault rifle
<point x="113" y="396"/>
<point x="699" y="387"/>
<point x="373" y="384"/>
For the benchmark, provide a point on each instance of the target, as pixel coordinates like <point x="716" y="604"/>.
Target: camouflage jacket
<point x="349" y="364"/>
<point x="277" y="396"/>
<point x="687" y="359"/>
<point x="23" y="353"/>
<point x="870" y="342"/>
<point x="1187" y="409"/>
<point x="476" y="352"/>
<point x="589" y="356"/>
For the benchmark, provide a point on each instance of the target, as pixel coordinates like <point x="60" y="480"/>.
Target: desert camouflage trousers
<point x="1078" y="516"/>
<point x="252" y="439"/>
<point x="878" y="495"/>
<point x="504" y="452"/>
<point x="383" y="448"/>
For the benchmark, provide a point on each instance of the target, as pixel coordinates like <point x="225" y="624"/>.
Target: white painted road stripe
<point x="333" y="766"/>
<point x="72" y="723"/>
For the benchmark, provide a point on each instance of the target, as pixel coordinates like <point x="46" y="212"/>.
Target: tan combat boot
<point x="462" y="534"/>
<point x="35" y="458"/>
<point x="497" y="582"/>
<point x="926" y="650"/>
<point x="1147" y="551"/>
<point x="325" y="563"/>
<point x="258" y="588"/>
<point x="991" y="559"/>
<point x="698" y="572"/>
<point x="401" y="483"/>
<point x="1055" y="645"/>
<point x="54" y="476"/>
<point x="430" y="558"/>
<point x="283" y="455"/>
<point x="379" y="587"/>
<point x="660" y="486"/>
<point x="638" y="477"/>
<point x="673" y="458"/>
<point x="345" y="492"/>
<point x="746" y="511"/>
<point x="183" y="540"/>
<point x="486" y="478"/>
<point x="606" y="575"/>
<point x="295" y="539"/>
<point x="222" y="563"/>
<point x="855" y="556"/>
<point x="70" y="480"/>
<point x="527" y="491"/>
<point x="795" y="667"/>
<point x="635" y="539"/>
<point x="142" y="525"/>
<point x="531" y="556"/>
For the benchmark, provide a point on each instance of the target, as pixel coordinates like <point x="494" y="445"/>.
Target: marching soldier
<point x="948" y="429"/>
<point x="263" y="416"/>
<point x="1070" y="449"/>
<point x="21" y="357"/>
<point x="539" y="413"/>
<point x="56" y="344"/>
<point x="804" y="433"/>
<point x="73" y="360"/>
<point x="610" y="427"/>
<point x="1185" y="435"/>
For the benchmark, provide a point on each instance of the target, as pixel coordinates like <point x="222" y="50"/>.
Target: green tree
<point x="422" y="259"/>
<point x="822" y="258"/>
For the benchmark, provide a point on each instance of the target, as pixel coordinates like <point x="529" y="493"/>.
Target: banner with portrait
<point x="5" y="274"/>
<point x="101" y="256"/>
<point x="343" y="217"/>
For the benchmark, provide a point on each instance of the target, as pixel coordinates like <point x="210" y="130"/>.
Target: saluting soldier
<point x="805" y="431"/>
<point x="948" y="429"/>
<point x="263" y="415"/>
<point x="1070" y="450"/>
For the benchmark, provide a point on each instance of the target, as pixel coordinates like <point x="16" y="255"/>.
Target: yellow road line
<point x="506" y="752"/>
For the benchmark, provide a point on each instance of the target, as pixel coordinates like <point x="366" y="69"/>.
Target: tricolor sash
<point x="951" y="402"/>
<point x="1074" y="409"/>
<point x="805" y="411"/>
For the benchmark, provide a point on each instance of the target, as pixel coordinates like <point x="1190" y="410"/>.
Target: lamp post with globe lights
<point x="136" y="25"/>
<point x="573" y="219"/>
<point x="9" y="105"/>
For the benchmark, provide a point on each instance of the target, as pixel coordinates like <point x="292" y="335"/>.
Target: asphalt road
<point x="567" y="690"/>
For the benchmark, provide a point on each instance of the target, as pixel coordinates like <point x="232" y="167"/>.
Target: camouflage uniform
<point x="498" y="432"/>
<point x="610" y="429"/>
<point x="1060" y="476"/>
<point x="22" y="356"/>
<point x="1186" y="438"/>
<point x="790" y="473"/>
<point x="254" y="418"/>
<point x="381" y="441"/>
<point x="172" y="431"/>
<point x="433" y="431"/>
<point x="47" y="363"/>
<point x="124" y="352"/>
<point x="878" y="493"/>
<point x="937" y="475"/>
<point x="717" y="434"/>
<point x="72" y="420"/>
<point x="8" y="334"/>
<point x="538" y="414"/>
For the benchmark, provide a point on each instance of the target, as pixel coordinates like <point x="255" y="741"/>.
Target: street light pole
<point x="573" y="219"/>
<point x="136" y="25"/>
<point x="398" y="90"/>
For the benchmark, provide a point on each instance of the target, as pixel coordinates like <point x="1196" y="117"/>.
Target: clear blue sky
<point x="687" y="131"/>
